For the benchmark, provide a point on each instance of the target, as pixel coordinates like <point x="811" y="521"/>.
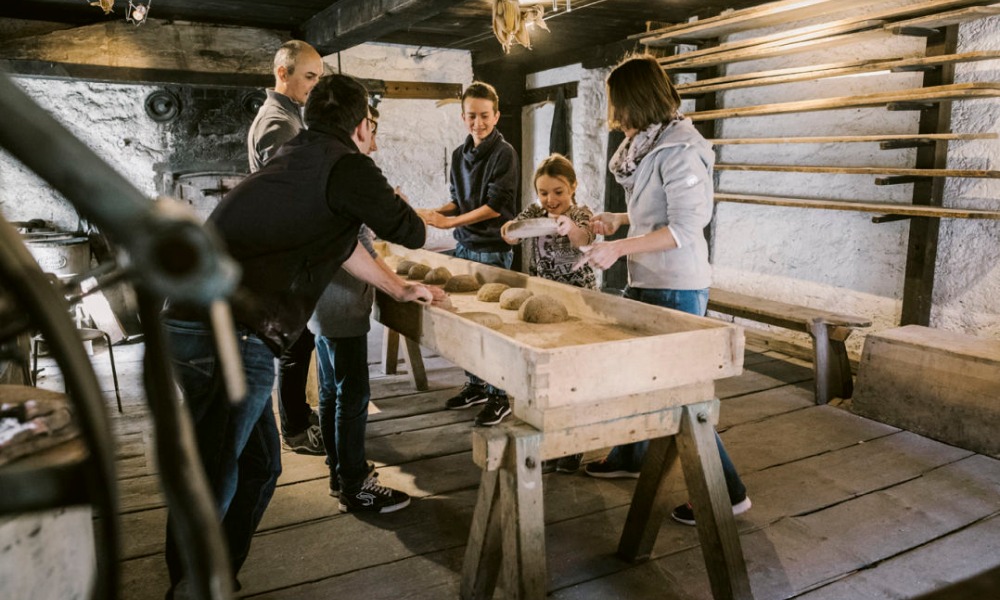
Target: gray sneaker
<point x="309" y="441"/>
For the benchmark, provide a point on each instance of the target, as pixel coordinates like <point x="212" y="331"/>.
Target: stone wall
<point x="827" y="259"/>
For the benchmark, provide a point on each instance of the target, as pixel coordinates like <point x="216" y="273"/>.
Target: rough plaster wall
<point x="415" y="137"/>
<point x="829" y="259"/>
<point x="968" y="274"/>
<point x="108" y="118"/>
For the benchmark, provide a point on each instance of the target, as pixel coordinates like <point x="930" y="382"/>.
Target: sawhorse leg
<point x="390" y="356"/>
<point x="831" y="366"/>
<point x="508" y="526"/>
<point x="720" y="542"/>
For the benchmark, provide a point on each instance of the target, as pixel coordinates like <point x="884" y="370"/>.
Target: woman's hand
<point x="605" y="223"/>
<point x="603" y="254"/>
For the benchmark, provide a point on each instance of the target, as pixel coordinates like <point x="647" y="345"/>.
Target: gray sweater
<point x="278" y="120"/>
<point x="345" y="307"/>
<point x="673" y="186"/>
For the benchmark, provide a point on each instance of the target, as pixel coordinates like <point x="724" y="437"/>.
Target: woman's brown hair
<point x="556" y="165"/>
<point x="640" y="94"/>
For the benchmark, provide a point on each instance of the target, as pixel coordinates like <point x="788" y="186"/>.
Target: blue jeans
<point x="239" y="446"/>
<point x="342" y="364"/>
<point x="629" y="456"/>
<point x="503" y="259"/>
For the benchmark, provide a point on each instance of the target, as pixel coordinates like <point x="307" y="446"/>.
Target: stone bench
<point x="940" y="384"/>
<point x="828" y="330"/>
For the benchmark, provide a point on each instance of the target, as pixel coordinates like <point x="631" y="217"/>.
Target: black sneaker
<point x="314" y="417"/>
<point x="685" y="512"/>
<point x="470" y="394"/>
<point x="569" y="464"/>
<point x="373" y="497"/>
<point x="497" y="407"/>
<point x="308" y="442"/>
<point x="335" y="481"/>
<point x="608" y="470"/>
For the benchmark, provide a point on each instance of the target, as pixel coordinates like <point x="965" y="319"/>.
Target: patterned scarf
<point x="627" y="157"/>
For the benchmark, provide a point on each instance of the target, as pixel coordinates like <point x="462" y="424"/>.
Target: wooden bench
<point x="828" y="330"/>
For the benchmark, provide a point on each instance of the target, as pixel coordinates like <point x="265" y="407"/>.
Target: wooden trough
<point x="615" y="371"/>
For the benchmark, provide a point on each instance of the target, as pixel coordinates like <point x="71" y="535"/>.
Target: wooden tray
<point x="613" y="356"/>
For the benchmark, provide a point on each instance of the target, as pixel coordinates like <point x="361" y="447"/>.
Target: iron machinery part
<point x="163" y="106"/>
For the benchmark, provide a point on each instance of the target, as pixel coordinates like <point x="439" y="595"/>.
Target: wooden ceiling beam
<point x="348" y="23"/>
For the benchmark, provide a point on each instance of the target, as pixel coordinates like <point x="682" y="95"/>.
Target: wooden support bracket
<point x="914" y="31"/>
<point x="832" y="368"/>
<point x="890" y="218"/>
<point x="900" y="179"/>
<point x="909" y="143"/>
<point x="910" y="105"/>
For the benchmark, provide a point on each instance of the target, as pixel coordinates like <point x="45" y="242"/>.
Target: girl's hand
<point x="604" y="223"/>
<point x="503" y="234"/>
<point x="564" y="225"/>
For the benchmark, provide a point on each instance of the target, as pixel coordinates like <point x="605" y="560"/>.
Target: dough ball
<point x="513" y="298"/>
<point x="403" y="267"/>
<point x="437" y="276"/>
<point x="484" y="318"/>
<point x="462" y="283"/>
<point x="490" y="292"/>
<point x="542" y="309"/>
<point x="418" y="271"/>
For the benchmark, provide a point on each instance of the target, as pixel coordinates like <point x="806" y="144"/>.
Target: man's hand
<point x="503" y="234"/>
<point x="605" y="223"/>
<point x="418" y="293"/>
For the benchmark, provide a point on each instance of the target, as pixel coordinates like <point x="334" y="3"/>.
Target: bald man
<point x="297" y="69"/>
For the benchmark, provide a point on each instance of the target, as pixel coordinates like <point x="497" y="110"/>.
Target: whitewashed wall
<point x="828" y="259"/>
<point x="415" y="137"/>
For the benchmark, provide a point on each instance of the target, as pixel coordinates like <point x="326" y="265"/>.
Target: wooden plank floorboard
<point x="758" y="406"/>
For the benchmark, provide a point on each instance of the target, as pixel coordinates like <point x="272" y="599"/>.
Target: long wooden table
<point x="617" y="371"/>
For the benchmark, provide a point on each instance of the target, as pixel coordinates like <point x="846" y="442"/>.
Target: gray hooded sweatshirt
<point x="673" y="186"/>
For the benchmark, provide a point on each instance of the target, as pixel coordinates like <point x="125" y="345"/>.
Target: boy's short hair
<point x="288" y="54"/>
<point x="483" y="91"/>
<point x="556" y="165"/>
<point x="640" y="94"/>
<point x="337" y="103"/>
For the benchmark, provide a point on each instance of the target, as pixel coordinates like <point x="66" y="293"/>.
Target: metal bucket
<point x="62" y="254"/>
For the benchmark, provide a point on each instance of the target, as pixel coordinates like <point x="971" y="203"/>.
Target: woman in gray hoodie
<point x="665" y="166"/>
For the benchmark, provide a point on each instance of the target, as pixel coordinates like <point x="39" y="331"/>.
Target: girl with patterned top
<point x="554" y="256"/>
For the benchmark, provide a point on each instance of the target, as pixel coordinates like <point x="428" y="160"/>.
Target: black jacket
<point x="292" y="224"/>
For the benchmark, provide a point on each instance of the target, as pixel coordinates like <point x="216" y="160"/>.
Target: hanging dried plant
<point x="512" y="22"/>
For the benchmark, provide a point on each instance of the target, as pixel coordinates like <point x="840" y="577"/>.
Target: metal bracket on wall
<point x="548" y="93"/>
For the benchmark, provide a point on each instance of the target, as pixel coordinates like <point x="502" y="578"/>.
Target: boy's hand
<point x="435" y="219"/>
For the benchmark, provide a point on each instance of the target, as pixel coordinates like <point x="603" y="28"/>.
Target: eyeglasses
<point x="373" y="124"/>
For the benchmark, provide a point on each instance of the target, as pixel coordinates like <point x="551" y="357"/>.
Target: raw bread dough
<point x="418" y="271"/>
<point x="404" y="267"/>
<point x="542" y="309"/>
<point x="513" y="298"/>
<point x="490" y="292"/>
<point x="462" y="283"/>
<point x="484" y="318"/>
<point x="437" y="276"/>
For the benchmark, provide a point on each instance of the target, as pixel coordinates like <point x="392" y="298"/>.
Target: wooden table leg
<point x="416" y="363"/>
<point x="713" y="511"/>
<point x="482" y="553"/>
<point x="390" y="351"/>
<point x="522" y="519"/>
<point x="649" y="502"/>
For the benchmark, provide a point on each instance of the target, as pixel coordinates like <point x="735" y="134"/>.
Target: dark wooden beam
<point x="589" y="56"/>
<point x="105" y="73"/>
<point x="921" y="255"/>
<point x="348" y="23"/>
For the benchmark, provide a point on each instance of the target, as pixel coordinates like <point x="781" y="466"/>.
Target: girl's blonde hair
<point x="640" y="94"/>
<point x="556" y="165"/>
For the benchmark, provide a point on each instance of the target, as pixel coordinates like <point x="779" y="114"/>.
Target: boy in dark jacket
<point x="484" y="180"/>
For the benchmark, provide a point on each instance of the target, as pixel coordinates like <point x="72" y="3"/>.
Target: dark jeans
<point x="239" y="446"/>
<point x="629" y="456"/>
<point x="293" y="371"/>
<point x="342" y="364"/>
<point x="504" y="260"/>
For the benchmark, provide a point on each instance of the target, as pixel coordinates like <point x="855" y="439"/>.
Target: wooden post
<point x="921" y="255"/>
<point x="831" y="365"/>
<point x="482" y="553"/>
<point x="522" y="517"/>
<point x="390" y="351"/>
<point x="416" y="364"/>
<point x="713" y="511"/>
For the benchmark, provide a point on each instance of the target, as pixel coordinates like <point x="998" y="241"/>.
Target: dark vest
<point x="278" y="225"/>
